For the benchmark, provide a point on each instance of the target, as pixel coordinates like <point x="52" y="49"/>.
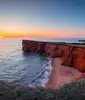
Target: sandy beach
<point x="60" y="74"/>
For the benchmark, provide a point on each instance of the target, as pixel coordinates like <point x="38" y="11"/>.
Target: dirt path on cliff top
<point x="60" y="74"/>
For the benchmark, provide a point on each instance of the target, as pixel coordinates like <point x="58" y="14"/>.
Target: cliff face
<point x="48" y="49"/>
<point x="32" y="46"/>
<point x="74" y="56"/>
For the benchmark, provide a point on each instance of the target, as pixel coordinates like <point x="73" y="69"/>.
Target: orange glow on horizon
<point x="45" y="34"/>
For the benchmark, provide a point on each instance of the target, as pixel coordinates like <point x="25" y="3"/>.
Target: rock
<point x="32" y="46"/>
<point x="79" y="60"/>
<point x="59" y="51"/>
<point x="74" y="56"/>
<point x="49" y="49"/>
<point x="46" y="48"/>
<point x="67" y="56"/>
<point x="79" y="77"/>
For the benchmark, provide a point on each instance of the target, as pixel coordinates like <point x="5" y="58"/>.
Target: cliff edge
<point x="72" y="54"/>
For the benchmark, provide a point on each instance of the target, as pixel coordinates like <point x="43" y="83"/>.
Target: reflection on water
<point x="18" y="67"/>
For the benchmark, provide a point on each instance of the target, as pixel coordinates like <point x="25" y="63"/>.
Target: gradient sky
<point x="42" y="18"/>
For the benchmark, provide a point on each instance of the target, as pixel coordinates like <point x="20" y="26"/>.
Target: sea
<point x="29" y="69"/>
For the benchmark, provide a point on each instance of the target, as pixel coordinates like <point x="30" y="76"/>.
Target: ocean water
<point x="17" y="67"/>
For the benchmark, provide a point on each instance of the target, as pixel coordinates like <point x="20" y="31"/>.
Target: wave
<point x="43" y="76"/>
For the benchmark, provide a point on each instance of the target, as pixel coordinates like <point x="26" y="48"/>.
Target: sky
<point x="42" y="18"/>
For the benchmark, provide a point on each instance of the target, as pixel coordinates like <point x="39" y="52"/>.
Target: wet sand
<point x="60" y="74"/>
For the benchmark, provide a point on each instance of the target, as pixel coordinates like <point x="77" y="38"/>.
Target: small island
<point x="83" y="41"/>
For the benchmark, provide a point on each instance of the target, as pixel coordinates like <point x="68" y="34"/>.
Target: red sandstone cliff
<point x="32" y="46"/>
<point x="49" y="49"/>
<point x="73" y="55"/>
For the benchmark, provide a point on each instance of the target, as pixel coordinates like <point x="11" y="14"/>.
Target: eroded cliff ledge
<point x="73" y="55"/>
<point x="46" y="48"/>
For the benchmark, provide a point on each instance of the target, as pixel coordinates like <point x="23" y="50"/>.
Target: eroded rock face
<point x="74" y="56"/>
<point x="48" y="49"/>
<point x="79" y="60"/>
<point x="67" y="56"/>
<point x="59" y="51"/>
<point x="32" y="46"/>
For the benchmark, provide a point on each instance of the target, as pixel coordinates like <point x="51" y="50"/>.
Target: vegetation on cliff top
<point x="10" y="91"/>
<point x="72" y="91"/>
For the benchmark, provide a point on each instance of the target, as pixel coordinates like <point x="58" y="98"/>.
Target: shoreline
<point x="68" y="59"/>
<point x="45" y="74"/>
<point x="60" y="74"/>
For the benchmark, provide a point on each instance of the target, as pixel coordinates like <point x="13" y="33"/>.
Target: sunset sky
<point x="42" y="18"/>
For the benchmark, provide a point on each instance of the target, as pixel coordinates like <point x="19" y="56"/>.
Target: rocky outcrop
<point x="83" y="41"/>
<point x="46" y="48"/>
<point x="32" y="46"/>
<point x="74" y="56"/>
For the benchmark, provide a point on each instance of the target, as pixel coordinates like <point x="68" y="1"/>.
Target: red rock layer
<point x="32" y="46"/>
<point x="48" y="49"/>
<point x="79" y="77"/>
<point x="79" y="60"/>
<point x="67" y="56"/>
<point x="74" y="56"/>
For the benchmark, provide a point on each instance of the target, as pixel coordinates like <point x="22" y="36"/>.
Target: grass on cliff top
<point x="10" y="91"/>
<point x="72" y="91"/>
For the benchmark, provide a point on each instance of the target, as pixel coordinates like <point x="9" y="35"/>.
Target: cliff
<point x="73" y="55"/>
<point x="46" y="48"/>
<point x="60" y="74"/>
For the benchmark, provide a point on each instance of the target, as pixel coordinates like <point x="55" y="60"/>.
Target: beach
<point x="26" y="62"/>
<point x="68" y="60"/>
<point x="60" y="74"/>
